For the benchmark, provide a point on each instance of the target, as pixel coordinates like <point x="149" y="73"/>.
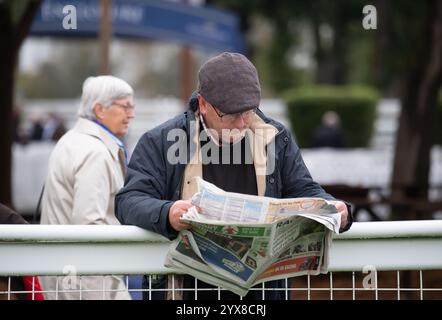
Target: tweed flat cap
<point x="230" y="83"/>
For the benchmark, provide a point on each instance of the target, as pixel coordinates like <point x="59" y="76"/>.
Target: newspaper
<point x="237" y="241"/>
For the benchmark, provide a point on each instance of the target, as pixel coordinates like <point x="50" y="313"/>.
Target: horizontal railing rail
<point x="103" y="250"/>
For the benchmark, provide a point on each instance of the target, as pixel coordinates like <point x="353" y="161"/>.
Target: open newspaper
<point x="237" y="241"/>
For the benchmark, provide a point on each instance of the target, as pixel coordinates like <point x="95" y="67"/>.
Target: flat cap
<point x="230" y="83"/>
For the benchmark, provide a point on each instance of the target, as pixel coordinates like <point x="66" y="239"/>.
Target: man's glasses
<point x="126" y="107"/>
<point x="231" y="117"/>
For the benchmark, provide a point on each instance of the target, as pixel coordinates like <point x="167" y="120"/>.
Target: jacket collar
<point x="91" y="128"/>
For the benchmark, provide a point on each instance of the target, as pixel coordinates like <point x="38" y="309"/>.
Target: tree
<point x="15" y="22"/>
<point x="331" y="55"/>
<point x="407" y="54"/>
<point x="420" y="87"/>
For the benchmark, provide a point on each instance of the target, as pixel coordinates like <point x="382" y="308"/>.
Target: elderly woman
<point x="86" y="169"/>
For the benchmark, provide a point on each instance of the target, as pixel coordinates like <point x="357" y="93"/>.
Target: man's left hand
<point x="342" y="209"/>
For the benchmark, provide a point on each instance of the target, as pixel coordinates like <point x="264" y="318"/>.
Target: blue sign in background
<point x="160" y="20"/>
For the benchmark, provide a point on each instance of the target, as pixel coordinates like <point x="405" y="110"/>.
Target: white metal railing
<point x="389" y="248"/>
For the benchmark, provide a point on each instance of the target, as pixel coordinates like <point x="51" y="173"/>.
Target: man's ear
<point x="99" y="111"/>
<point x="202" y="105"/>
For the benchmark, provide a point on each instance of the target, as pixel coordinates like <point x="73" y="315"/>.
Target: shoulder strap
<point x="37" y="213"/>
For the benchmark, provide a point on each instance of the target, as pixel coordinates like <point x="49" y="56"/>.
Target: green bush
<point x="356" y="107"/>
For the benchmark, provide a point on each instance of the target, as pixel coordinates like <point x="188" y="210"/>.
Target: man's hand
<point x="176" y="211"/>
<point x="342" y="209"/>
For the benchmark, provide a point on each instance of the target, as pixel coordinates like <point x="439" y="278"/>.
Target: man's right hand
<point x="176" y="211"/>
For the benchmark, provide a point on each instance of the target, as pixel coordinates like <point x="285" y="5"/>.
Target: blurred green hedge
<point x="355" y="105"/>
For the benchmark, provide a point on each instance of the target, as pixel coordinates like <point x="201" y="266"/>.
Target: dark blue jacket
<point x="153" y="184"/>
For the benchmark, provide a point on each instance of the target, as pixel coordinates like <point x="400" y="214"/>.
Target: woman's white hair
<point x="103" y="90"/>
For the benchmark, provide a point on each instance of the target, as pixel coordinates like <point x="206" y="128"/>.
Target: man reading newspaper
<point x="225" y="139"/>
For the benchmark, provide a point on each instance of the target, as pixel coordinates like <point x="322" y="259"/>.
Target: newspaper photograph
<point x="237" y="241"/>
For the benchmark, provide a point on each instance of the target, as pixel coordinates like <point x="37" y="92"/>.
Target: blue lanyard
<point x="116" y="139"/>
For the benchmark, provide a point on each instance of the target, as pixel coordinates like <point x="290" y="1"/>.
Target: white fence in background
<point x="148" y="113"/>
<point x="30" y="161"/>
<point x="373" y="247"/>
<point x="152" y="112"/>
<point x="358" y="167"/>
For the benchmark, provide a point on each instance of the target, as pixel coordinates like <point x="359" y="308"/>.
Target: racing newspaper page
<point x="237" y="241"/>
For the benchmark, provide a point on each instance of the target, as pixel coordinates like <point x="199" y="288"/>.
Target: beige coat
<point x="86" y="170"/>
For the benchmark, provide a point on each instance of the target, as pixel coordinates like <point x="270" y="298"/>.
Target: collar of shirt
<point x="209" y="134"/>
<point x="116" y="139"/>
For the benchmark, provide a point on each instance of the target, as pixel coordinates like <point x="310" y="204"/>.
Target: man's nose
<point x="240" y="123"/>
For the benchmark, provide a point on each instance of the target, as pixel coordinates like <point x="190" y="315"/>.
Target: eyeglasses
<point x="126" y="107"/>
<point x="231" y="117"/>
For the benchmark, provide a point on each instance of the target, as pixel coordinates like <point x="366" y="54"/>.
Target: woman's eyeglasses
<point x="126" y="107"/>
